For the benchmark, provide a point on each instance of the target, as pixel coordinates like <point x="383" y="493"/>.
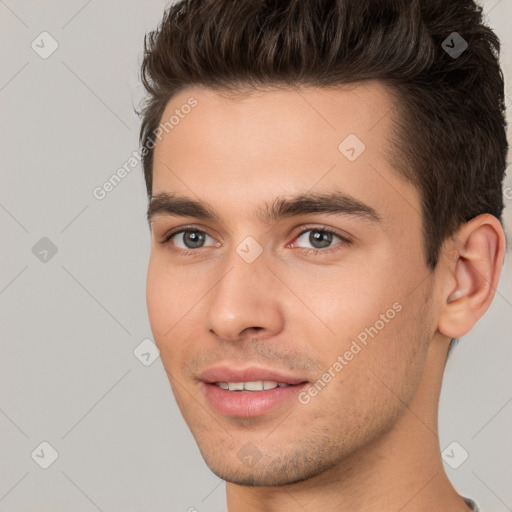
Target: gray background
<point x="70" y="324"/>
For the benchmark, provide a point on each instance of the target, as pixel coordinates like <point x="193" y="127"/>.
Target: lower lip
<point x="248" y="403"/>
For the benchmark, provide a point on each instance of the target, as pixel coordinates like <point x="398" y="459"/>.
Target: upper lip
<point x="249" y="374"/>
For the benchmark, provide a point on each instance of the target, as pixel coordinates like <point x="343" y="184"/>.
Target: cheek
<point x="164" y="298"/>
<point x="378" y="375"/>
<point x="348" y="298"/>
<point x="173" y="299"/>
<point x="155" y="297"/>
<point x="372" y="317"/>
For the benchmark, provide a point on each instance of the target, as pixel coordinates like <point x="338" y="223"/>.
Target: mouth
<point x="248" y="392"/>
<point x="251" y="386"/>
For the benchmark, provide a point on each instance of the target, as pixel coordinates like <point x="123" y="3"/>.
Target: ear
<point x="472" y="262"/>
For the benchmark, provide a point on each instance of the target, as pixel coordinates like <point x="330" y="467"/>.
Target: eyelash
<point x="189" y="252"/>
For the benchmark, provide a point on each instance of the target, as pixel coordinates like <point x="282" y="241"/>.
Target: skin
<point x="368" y="441"/>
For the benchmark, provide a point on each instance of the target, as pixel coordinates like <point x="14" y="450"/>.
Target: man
<point x="324" y="184"/>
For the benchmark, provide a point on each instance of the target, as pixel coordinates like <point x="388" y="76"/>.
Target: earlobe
<point x="476" y="273"/>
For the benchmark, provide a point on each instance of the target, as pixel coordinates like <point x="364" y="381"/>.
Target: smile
<point x="255" y="385"/>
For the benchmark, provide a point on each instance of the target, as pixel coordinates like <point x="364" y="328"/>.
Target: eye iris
<point x="193" y="239"/>
<point x="320" y="237"/>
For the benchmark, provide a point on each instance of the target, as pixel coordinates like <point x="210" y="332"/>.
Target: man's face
<point x="250" y="300"/>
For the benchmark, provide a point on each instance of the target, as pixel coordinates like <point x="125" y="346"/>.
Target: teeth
<point x="259" y="385"/>
<point x="255" y="386"/>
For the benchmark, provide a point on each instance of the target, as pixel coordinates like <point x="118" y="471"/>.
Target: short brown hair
<point x="450" y="139"/>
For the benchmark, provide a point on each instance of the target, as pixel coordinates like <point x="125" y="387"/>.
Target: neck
<point x="402" y="470"/>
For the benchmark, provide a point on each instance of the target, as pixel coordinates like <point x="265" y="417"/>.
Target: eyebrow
<point x="333" y="203"/>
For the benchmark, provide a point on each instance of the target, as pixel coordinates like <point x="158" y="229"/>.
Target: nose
<point x="246" y="302"/>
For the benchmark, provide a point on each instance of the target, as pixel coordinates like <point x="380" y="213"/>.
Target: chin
<point x="266" y="473"/>
<point x="251" y="478"/>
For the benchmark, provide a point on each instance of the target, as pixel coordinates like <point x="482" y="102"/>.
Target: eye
<point x="320" y="240"/>
<point x="188" y="239"/>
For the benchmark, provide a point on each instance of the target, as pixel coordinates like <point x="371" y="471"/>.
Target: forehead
<point x="240" y="149"/>
<point x="295" y="114"/>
